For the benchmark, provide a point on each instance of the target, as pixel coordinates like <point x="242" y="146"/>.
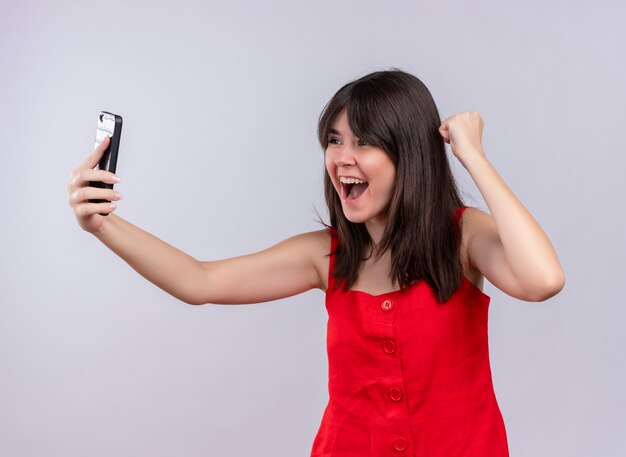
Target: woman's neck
<point x="375" y="228"/>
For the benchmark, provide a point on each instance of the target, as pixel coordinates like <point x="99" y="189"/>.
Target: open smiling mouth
<point x="352" y="189"/>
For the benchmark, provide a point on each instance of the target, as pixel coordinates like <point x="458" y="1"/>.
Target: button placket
<point x="400" y="444"/>
<point x="389" y="346"/>
<point x="395" y="394"/>
<point x="386" y="304"/>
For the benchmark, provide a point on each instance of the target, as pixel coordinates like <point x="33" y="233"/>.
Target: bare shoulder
<point x="485" y="256"/>
<point x="472" y="220"/>
<point x="317" y="246"/>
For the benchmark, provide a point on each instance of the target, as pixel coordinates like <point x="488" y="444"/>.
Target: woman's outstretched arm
<point x="507" y="246"/>
<point x="288" y="268"/>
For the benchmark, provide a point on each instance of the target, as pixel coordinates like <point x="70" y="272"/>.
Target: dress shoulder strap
<point x="459" y="212"/>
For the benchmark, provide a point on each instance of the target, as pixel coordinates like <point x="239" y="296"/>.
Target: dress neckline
<point x="469" y="285"/>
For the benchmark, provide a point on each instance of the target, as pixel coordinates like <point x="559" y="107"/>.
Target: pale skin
<point x="508" y="247"/>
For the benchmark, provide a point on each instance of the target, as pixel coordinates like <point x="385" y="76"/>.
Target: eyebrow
<point x="335" y="132"/>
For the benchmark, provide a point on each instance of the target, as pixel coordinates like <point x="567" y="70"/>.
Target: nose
<point x="345" y="158"/>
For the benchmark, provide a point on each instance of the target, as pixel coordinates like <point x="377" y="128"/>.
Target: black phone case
<point x="108" y="124"/>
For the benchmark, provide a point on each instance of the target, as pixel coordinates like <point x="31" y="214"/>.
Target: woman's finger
<point x="82" y="176"/>
<point x="83" y="194"/>
<point x="89" y="209"/>
<point x="447" y="119"/>
<point x="93" y="159"/>
<point x="445" y="133"/>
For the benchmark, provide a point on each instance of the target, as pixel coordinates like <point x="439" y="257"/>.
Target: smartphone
<point x="109" y="124"/>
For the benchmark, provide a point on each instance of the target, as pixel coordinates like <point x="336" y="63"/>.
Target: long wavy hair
<point x="395" y="111"/>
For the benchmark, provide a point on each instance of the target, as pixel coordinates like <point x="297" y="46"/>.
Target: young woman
<point x="402" y="263"/>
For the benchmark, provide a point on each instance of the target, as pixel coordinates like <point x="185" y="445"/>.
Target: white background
<point x="219" y="157"/>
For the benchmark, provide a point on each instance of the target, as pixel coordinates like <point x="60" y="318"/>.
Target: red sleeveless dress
<point x="408" y="376"/>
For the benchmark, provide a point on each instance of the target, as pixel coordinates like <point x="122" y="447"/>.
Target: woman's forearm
<point x="169" y="268"/>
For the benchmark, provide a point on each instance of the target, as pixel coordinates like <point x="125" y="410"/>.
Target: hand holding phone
<point x="110" y="125"/>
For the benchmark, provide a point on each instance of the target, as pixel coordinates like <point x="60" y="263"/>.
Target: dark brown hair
<point x="395" y="111"/>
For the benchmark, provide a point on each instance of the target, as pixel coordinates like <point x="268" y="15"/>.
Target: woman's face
<point x="363" y="175"/>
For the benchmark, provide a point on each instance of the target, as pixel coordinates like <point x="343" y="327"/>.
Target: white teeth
<point x="351" y="180"/>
